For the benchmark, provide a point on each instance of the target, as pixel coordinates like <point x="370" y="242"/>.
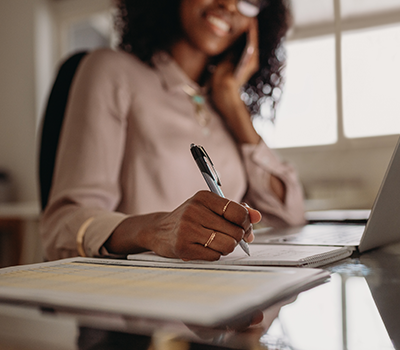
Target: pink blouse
<point x="125" y="150"/>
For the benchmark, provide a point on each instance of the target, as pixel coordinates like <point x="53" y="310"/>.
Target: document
<point x="206" y="295"/>
<point x="267" y="255"/>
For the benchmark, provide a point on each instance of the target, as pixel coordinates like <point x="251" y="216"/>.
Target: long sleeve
<point x="260" y="163"/>
<point x="91" y="149"/>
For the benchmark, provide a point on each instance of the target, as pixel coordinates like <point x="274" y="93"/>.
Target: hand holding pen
<point x="204" y="227"/>
<point x="210" y="175"/>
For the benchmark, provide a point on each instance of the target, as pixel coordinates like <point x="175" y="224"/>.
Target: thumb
<point x="255" y="215"/>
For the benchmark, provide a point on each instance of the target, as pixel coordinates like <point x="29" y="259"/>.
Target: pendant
<point x="201" y="112"/>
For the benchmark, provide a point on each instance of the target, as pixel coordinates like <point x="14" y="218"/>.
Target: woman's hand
<point x="184" y="232"/>
<point x="225" y="90"/>
<point x="249" y="62"/>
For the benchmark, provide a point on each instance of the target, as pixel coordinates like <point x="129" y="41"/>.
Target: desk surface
<point x="358" y="309"/>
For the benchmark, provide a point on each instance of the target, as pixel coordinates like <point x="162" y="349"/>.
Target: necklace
<point x="202" y="114"/>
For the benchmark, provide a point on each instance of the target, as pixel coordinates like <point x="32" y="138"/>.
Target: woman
<point x="125" y="181"/>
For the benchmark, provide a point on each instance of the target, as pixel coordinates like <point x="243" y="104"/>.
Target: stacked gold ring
<point x="210" y="239"/>
<point x="225" y="207"/>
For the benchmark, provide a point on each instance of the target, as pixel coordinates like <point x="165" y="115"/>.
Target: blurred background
<point x="338" y="120"/>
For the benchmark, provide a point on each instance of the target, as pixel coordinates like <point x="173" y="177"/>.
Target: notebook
<point x="382" y="227"/>
<point x="315" y="245"/>
<point x="125" y="291"/>
<point x="265" y="255"/>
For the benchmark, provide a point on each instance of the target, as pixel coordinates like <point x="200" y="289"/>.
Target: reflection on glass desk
<point x="358" y="309"/>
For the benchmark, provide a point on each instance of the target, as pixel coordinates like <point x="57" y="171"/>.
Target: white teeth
<point x="218" y="22"/>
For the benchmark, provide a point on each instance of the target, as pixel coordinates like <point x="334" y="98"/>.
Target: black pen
<point x="210" y="175"/>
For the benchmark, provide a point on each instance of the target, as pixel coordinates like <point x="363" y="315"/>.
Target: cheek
<point x="190" y="8"/>
<point x="190" y="16"/>
<point x="216" y="46"/>
<point x="196" y="32"/>
<point x="242" y="25"/>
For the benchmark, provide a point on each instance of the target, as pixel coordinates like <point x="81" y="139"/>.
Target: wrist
<point x="227" y="100"/>
<point x="239" y="121"/>
<point x="133" y="235"/>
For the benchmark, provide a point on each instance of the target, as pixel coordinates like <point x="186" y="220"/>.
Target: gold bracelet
<point x="80" y="235"/>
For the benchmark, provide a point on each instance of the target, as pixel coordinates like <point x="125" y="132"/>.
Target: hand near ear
<point x="249" y="62"/>
<point x="225" y="90"/>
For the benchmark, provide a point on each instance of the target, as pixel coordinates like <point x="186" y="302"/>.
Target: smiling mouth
<point x="219" y="23"/>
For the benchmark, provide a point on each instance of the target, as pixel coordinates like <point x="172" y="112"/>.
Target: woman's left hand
<point x="249" y="62"/>
<point x="225" y="90"/>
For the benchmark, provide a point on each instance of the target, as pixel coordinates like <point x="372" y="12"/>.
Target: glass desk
<point x="358" y="309"/>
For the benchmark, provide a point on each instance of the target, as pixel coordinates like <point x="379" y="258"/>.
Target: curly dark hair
<point x="147" y="27"/>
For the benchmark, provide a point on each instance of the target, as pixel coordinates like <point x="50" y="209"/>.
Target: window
<point x="371" y="74"/>
<point x="82" y="25"/>
<point x="341" y="76"/>
<point x="306" y="114"/>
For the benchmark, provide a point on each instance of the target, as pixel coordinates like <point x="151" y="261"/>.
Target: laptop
<point x="382" y="227"/>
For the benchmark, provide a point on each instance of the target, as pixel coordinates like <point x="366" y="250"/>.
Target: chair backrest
<point x="52" y="123"/>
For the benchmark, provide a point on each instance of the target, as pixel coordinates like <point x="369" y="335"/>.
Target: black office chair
<point x="52" y="123"/>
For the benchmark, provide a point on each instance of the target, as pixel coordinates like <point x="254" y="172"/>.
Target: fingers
<point x="221" y="243"/>
<point x="257" y="317"/>
<point x="250" y="59"/>
<point x="237" y="214"/>
<point x="223" y="71"/>
<point x="239" y="219"/>
<point x="253" y="33"/>
<point x="206" y="227"/>
<point x="255" y="215"/>
<point x="248" y="63"/>
<point x="198" y="252"/>
<point x="249" y="236"/>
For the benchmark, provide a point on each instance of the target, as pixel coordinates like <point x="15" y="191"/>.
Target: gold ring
<point x="225" y="207"/>
<point x="212" y="236"/>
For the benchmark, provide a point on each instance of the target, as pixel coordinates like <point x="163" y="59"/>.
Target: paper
<point x="202" y="296"/>
<point x="268" y="255"/>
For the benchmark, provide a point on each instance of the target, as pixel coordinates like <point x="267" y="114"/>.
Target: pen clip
<point x="210" y="165"/>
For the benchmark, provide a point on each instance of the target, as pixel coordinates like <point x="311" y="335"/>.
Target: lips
<point x="219" y="25"/>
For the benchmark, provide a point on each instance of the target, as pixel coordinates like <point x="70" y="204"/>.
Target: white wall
<point x="342" y="178"/>
<point x="30" y="51"/>
<point x="20" y="92"/>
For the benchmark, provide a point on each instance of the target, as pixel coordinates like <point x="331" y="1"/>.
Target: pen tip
<point x="245" y="247"/>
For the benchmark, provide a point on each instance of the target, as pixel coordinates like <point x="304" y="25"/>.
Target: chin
<point x="214" y="49"/>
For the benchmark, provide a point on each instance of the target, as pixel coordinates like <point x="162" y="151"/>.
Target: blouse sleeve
<point x="260" y="163"/>
<point x="90" y="152"/>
